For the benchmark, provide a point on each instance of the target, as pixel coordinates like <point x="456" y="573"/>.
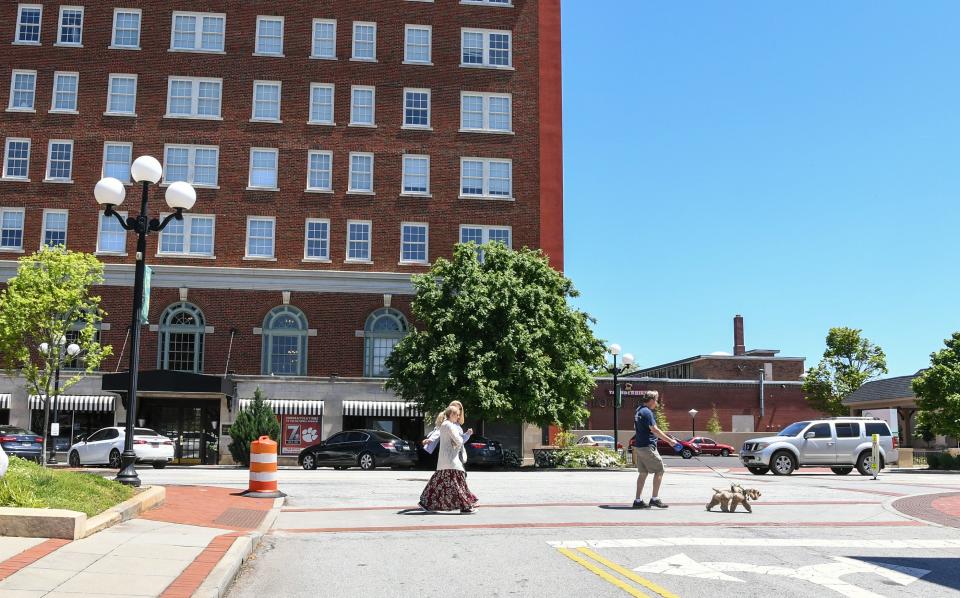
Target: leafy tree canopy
<point x="938" y="391"/>
<point x="497" y="333"/>
<point x="848" y="361"/>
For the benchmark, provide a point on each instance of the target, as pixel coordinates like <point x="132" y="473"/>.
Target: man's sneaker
<point x="655" y="502"/>
<point x="639" y="504"/>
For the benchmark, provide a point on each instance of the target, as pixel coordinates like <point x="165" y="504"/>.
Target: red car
<point x="689" y="449"/>
<point x="708" y="446"/>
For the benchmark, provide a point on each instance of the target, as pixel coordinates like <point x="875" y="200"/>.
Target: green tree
<point x="497" y="333"/>
<point x="713" y="424"/>
<point x="48" y="298"/>
<point x="660" y="416"/>
<point x="938" y="391"/>
<point x="252" y="423"/>
<point x="848" y="361"/>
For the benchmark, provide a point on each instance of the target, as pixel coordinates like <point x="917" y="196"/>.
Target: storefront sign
<point x="298" y="432"/>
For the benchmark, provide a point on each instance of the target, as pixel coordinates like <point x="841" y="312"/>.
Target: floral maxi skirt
<point x="447" y="491"/>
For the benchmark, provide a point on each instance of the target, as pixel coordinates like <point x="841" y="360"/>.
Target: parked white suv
<point x="840" y="443"/>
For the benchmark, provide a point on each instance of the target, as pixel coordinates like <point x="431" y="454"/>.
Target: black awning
<point x="170" y="381"/>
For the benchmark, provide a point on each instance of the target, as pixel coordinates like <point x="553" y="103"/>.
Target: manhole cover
<point x="245" y="518"/>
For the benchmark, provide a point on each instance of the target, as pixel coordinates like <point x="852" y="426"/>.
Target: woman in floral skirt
<point x="447" y="490"/>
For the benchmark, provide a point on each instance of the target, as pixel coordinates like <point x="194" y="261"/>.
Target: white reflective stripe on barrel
<point x="263" y="457"/>
<point x="265" y="476"/>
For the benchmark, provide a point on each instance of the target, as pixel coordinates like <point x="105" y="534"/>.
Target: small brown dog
<point x="737" y="495"/>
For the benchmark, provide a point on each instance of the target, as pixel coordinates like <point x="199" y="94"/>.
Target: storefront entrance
<point x="190" y="424"/>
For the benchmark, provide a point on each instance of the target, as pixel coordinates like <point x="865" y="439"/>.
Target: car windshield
<point x="12" y="430"/>
<point x="603" y="438"/>
<point x="793" y="429"/>
<point x="381" y="435"/>
<point x="144" y="432"/>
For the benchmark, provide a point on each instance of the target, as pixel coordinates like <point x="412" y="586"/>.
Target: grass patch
<point x="27" y="484"/>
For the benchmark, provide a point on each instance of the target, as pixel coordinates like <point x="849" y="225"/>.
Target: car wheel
<point x="686" y="453"/>
<point x="865" y="461"/>
<point x="74" y="459"/>
<point x="841" y="470"/>
<point x="309" y="461"/>
<point x="114" y="459"/>
<point x="159" y="464"/>
<point x="724" y="453"/>
<point x="782" y="463"/>
<point x="758" y="470"/>
<point x="366" y="461"/>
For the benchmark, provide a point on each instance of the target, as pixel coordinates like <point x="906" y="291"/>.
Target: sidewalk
<point x="191" y="545"/>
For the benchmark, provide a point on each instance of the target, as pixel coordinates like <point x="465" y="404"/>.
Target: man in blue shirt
<point x="648" y="458"/>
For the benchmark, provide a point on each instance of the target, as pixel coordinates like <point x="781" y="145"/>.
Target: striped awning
<point x="76" y="402"/>
<point x="288" y="406"/>
<point x="381" y="409"/>
<point x="4" y="401"/>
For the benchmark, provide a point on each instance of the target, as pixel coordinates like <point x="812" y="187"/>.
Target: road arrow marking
<point x="681" y="564"/>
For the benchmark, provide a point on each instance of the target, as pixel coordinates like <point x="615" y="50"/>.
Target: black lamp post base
<point x="128" y="472"/>
<point x="51" y="460"/>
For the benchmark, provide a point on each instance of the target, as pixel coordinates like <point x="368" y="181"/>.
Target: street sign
<point x="875" y="456"/>
<point x="145" y="308"/>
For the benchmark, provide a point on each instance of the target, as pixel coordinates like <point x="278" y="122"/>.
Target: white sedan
<point x="596" y="440"/>
<point x="104" y="447"/>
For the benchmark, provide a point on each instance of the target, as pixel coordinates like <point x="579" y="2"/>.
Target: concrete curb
<point x="146" y="499"/>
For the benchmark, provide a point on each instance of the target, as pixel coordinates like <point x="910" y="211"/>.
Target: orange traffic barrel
<point x="263" y="469"/>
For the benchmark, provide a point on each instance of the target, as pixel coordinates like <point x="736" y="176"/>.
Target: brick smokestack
<point x="738" y="347"/>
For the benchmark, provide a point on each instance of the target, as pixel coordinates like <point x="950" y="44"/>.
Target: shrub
<point x="512" y="459"/>
<point x="933" y="460"/>
<point x="563" y="439"/>
<point x="259" y="420"/>
<point x="713" y="425"/>
<point x="577" y="457"/>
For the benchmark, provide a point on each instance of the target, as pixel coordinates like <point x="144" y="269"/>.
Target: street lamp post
<point x="110" y="193"/>
<point x="52" y="430"/>
<point x="693" y="422"/>
<point x="616" y="371"/>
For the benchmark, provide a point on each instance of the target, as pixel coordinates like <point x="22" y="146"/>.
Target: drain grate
<point x="245" y="518"/>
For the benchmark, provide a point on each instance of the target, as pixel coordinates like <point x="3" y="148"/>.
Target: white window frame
<point x="13" y="79"/>
<point x="246" y="240"/>
<point x="485" y="98"/>
<point x="406" y="45"/>
<point x="187" y="235"/>
<point x="356" y="260"/>
<point x="503" y="3"/>
<point x="43" y="226"/>
<point x="23" y="227"/>
<point x="6" y="159"/>
<point x="403" y="176"/>
<point x="403" y="120"/>
<point x="426" y="244"/>
<point x="486" y="179"/>
<point x="333" y="104"/>
<point x="256" y="43"/>
<point x="16" y="36"/>
<point x="136" y="84"/>
<point x="198" y="31"/>
<point x="373" y="105"/>
<point x="306" y="237"/>
<point x="103" y="167"/>
<point x="194" y="97"/>
<point x="100" y="220"/>
<point x="253" y="107"/>
<point x="50" y="143"/>
<point x="113" y="29"/>
<point x="77" y="44"/>
<point x="276" y="169"/>
<point x="313" y="39"/>
<point x="485" y="232"/>
<point x="191" y="163"/>
<point x="76" y="93"/>
<point x="353" y="41"/>
<point x="310" y="155"/>
<point x="350" y="189"/>
<point x="486" y="48"/>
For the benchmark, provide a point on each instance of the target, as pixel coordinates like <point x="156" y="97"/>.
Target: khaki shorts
<point x="648" y="460"/>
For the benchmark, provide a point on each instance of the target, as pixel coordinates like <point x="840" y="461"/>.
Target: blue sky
<point x="798" y="163"/>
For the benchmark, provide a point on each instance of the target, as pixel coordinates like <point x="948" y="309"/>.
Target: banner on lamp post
<point x="145" y="307"/>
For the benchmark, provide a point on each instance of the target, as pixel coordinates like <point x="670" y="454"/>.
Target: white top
<point x="434" y="438"/>
<point x="451" y="443"/>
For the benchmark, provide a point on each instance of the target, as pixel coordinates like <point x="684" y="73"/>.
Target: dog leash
<point x="711" y="468"/>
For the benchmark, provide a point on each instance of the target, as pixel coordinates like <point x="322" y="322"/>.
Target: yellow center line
<point x="628" y="574"/>
<point x="603" y="574"/>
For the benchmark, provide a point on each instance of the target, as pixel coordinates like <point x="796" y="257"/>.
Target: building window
<point x="193" y="97"/>
<point x="60" y="160"/>
<point x="16" y="164"/>
<point x="117" y="157"/>
<point x="126" y="28"/>
<point x="260" y="235"/>
<point x="321" y="104"/>
<point x="488" y="112"/>
<point x="486" y="177"/>
<point x="382" y="331"/>
<point x="263" y="168"/>
<point x="413" y="243"/>
<point x="54" y="228"/>
<point x="416" y="175"/>
<point x="11" y="229"/>
<point x="324" y="39"/>
<point x="28" y="24"/>
<point x="111" y="238"/>
<point x="71" y="26"/>
<point x="75" y="335"/>
<point x="417" y="45"/>
<point x="269" y="36"/>
<point x="266" y="101"/>
<point x="191" y="236"/>
<point x="195" y="164"/>
<point x="122" y="95"/>
<point x="285" y="342"/>
<point x="416" y="108"/>
<point x="23" y="87"/>
<point x="361" y="173"/>
<point x="319" y="171"/>
<point x="362" y="103"/>
<point x="65" y="92"/>
<point x="480" y="47"/>
<point x="317" y="241"/>
<point x="483" y="234"/>
<point x="181" y="338"/>
<point x="198" y="32"/>
<point x="358" y="241"/>
<point x="364" y="41"/>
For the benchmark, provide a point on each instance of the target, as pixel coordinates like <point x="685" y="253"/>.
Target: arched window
<point x="285" y="342"/>
<point x="383" y="330"/>
<point x="181" y="338"/>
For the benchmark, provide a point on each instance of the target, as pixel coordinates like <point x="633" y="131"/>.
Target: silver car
<point x="840" y="443"/>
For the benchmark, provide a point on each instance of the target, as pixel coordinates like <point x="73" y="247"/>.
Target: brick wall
<point x="744" y="369"/>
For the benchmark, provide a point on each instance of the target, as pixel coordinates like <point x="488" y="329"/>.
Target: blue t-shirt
<point x="643" y="420"/>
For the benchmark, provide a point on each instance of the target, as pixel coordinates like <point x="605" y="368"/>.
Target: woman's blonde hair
<point x="445" y="414"/>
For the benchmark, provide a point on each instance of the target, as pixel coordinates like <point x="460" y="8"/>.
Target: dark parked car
<point x="689" y="451"/>
<point x="709" y="446"/>
<point x="365" y="449"/>
<point x="480" y="451"/>
<point x="21" y="443"/>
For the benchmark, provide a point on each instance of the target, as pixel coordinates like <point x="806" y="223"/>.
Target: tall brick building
<point x="336" y="148"/>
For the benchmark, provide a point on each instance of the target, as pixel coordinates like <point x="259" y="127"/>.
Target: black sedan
<point x="21" y="443"/>
<point x="366" y="449"/>
<point x="480" y="451"/>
